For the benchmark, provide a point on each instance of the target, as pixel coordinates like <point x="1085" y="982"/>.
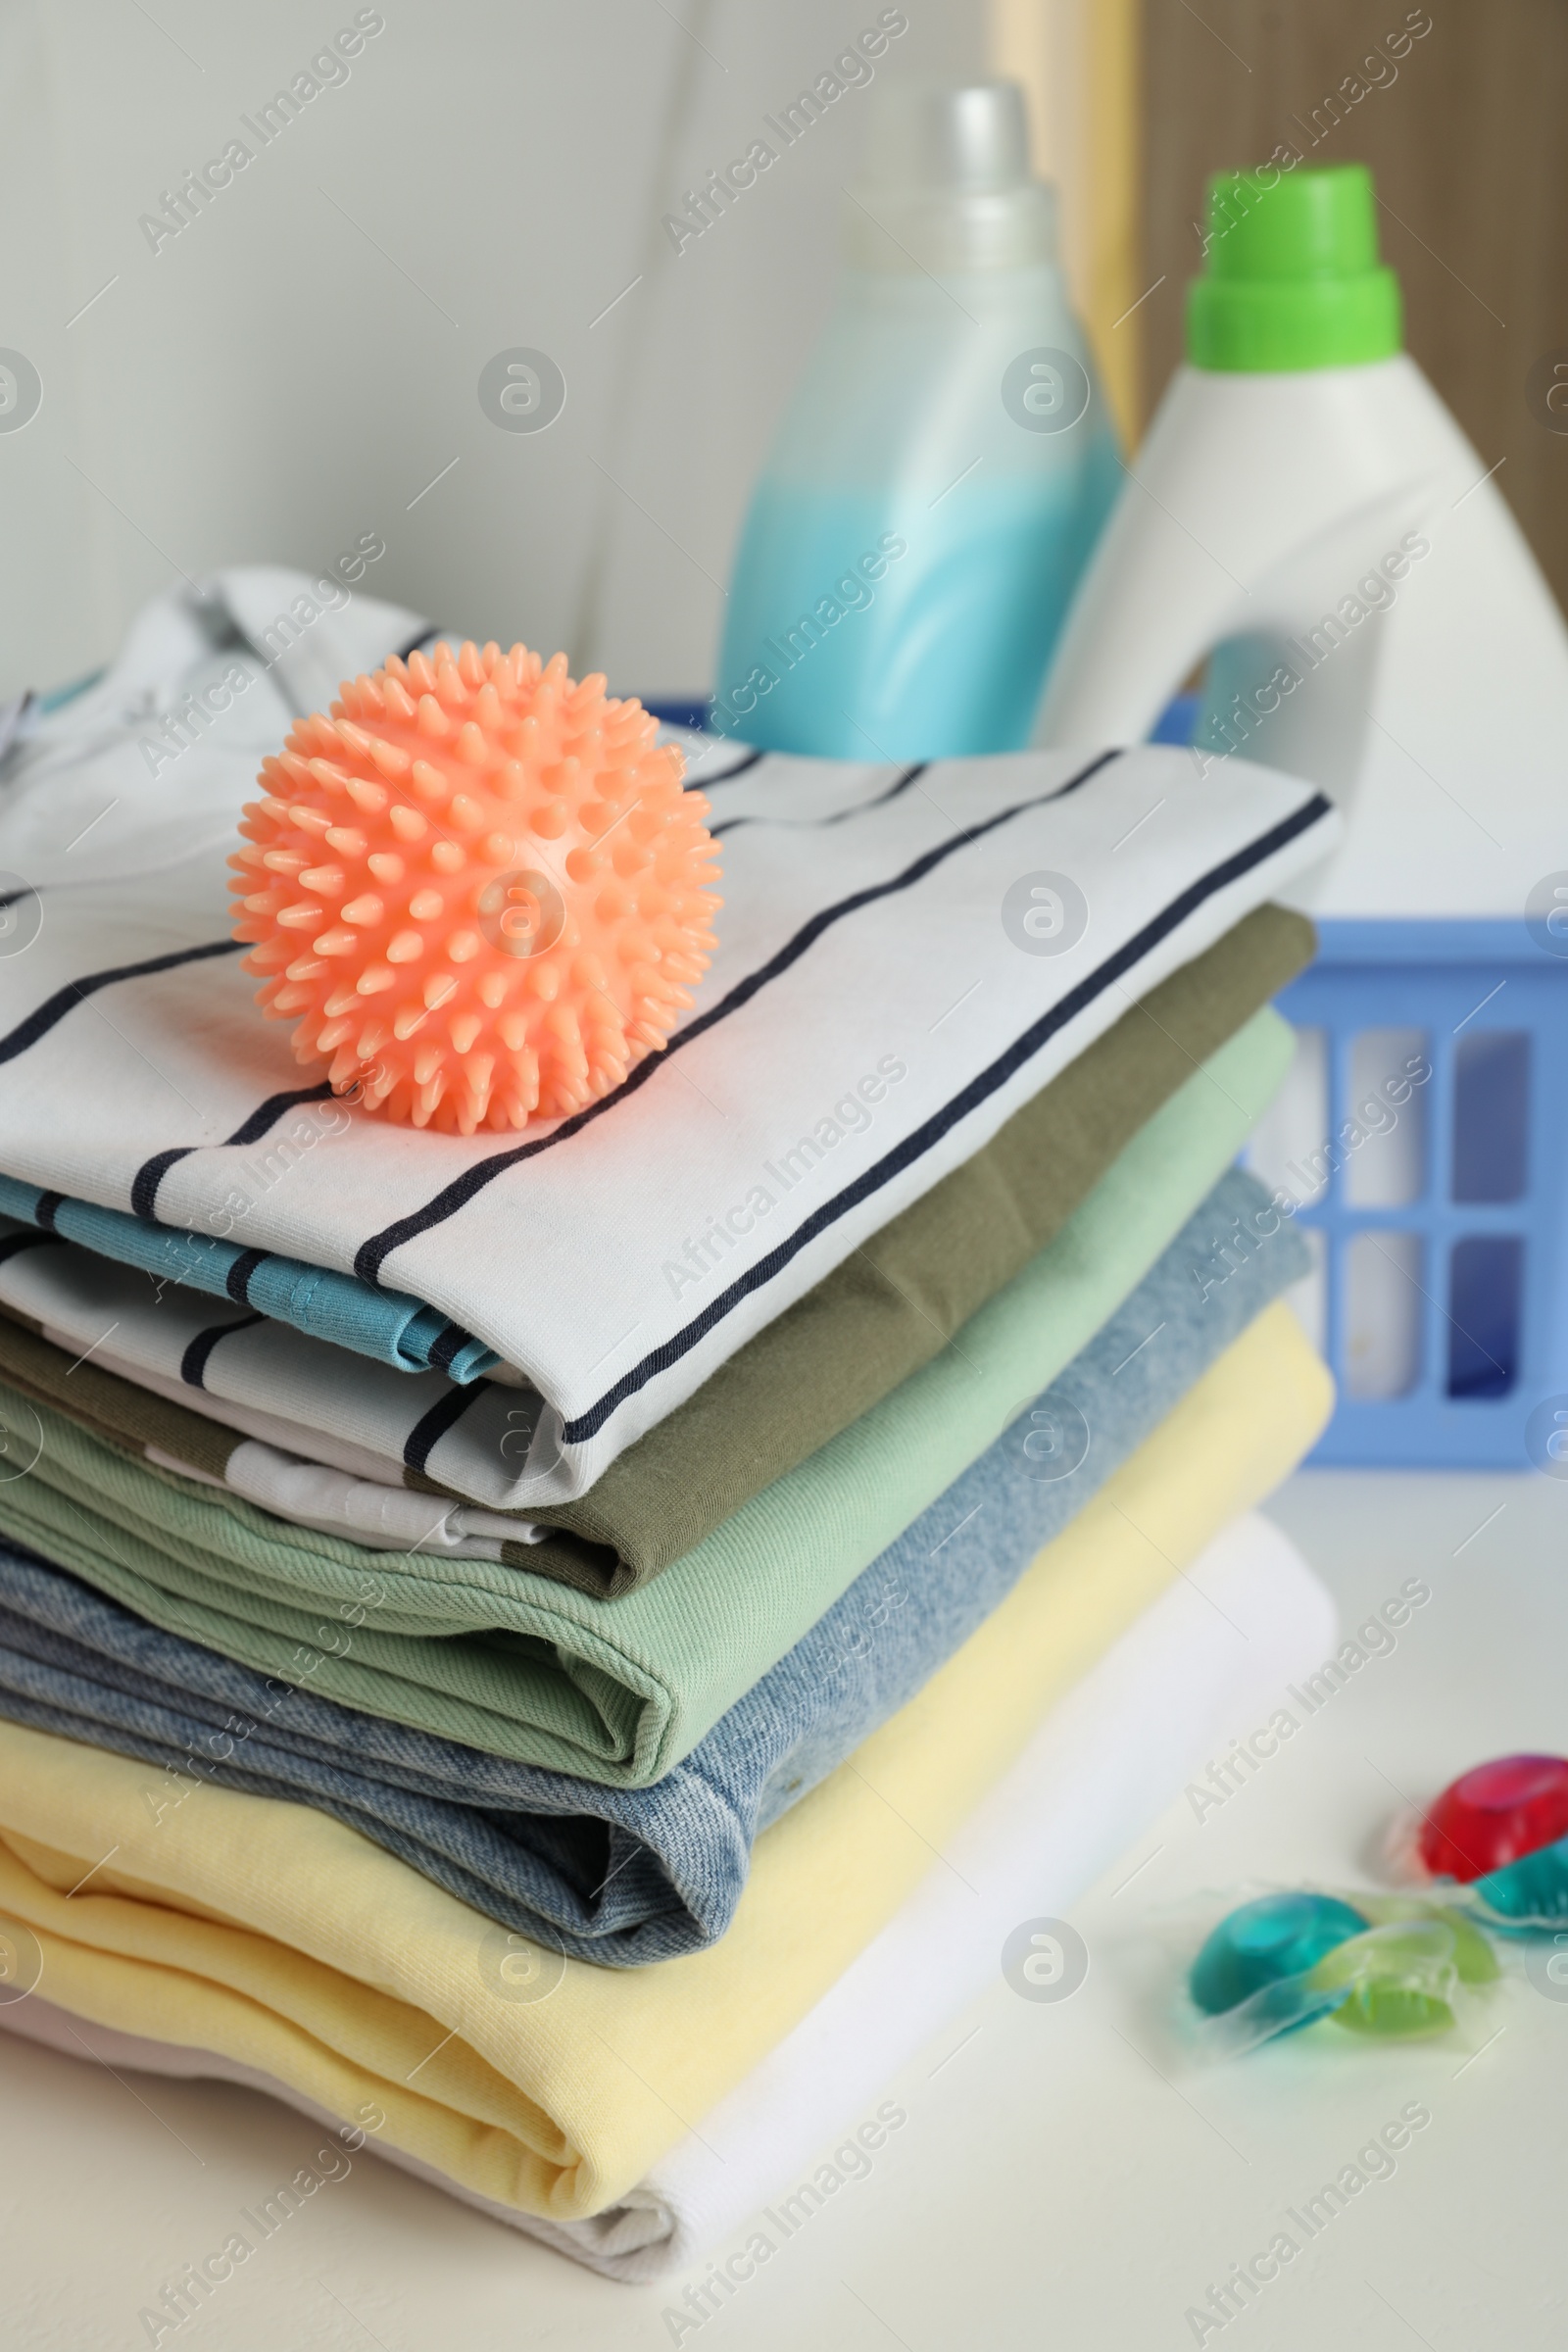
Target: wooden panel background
<point x="1079" y="61"/>
<point x="1469" y="147"/>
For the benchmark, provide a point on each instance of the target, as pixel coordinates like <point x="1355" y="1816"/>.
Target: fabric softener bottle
<point x="943" y="471"/>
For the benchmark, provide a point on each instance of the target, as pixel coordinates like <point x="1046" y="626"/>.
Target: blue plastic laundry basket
<point x="1476" y="1249"/>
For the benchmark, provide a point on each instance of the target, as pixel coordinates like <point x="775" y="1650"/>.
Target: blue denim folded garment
<point x="386" y="1325"/>
<point x="624" y="1875"/>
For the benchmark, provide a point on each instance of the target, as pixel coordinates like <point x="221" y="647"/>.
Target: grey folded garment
<point x="624" y="1875"/>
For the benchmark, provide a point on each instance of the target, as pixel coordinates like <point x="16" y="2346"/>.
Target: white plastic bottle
<point x="942" y="470"/>
<point x="1306" y="516"/>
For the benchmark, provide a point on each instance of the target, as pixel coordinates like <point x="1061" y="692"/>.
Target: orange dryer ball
<point x="477" y="887"/>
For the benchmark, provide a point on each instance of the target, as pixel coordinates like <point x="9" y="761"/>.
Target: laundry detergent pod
<point x="1495" y="1815"/>
<point x="1474" y="1960"/>
<point x="1395" y="1980"/>
<point x="1266" y="1942"/>
<point x="1390" y="1965"/>
<point x="1531" y="1892"/>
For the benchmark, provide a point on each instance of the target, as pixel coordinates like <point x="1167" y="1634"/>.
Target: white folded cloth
<point x="363" y="1511"/>
<point x="904" y="957"/>
<point x="1103" y="1766"/>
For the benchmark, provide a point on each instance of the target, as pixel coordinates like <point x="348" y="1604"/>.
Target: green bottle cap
<point x="1291" y="276"/>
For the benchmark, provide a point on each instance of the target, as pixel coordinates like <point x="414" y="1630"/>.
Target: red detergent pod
<point x="1495" y="1814"/>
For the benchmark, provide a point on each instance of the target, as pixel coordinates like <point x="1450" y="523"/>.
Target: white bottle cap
<point x="946" y="183"/>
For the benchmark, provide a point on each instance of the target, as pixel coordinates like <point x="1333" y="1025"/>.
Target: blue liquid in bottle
<point x="943" y="472"/>
<point x="947" y="651"/>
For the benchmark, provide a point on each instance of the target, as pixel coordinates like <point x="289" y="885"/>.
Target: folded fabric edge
<point x="1101" y="1767"/>
<point x="1243" y="1429"/>
<point x="1130" y="1214"/>
<point x="77" y="1685"/>
<point x="338" y="1307"/>
<point x="1194" y="1014"/>
<point x="605" y="1544"/>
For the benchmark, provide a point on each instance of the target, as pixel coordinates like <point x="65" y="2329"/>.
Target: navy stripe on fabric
<point x="150" y="1175"/>
<point x="915" y="1145"/>
<point x="15" y="1242"/>
<point x="237" y="1280"/>
<point x="193" y="1363"/>
<point x="839" y="816"/>
<point x="445" y="1346"/>
<point x="432" y="1426"/>
<point x="39" y="1022"/>
<point x="373" y="1255"/>
<point x="267" y="1113"/>
<point x="48" y="1209"/>
<point x="742" y="767"/>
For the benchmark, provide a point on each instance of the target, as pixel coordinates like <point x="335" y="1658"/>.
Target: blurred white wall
<point x="295" y="366"/>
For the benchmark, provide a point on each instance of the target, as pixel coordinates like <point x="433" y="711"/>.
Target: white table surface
<point x="1055" y="2186"/>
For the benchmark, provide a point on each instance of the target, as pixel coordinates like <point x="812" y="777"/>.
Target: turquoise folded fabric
<point x="618" y="1691"/>
<point x="386" y="1325"/>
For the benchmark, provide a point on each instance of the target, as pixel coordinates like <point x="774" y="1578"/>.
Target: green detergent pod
<point x="1394" y="1980"/>
<point x="1474" y="1960"/>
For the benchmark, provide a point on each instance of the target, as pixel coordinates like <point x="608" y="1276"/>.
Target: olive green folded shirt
<point x="894" y="1302"/>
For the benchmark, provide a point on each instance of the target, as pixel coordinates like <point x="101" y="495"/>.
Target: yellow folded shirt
<point x="276" y="1935"/>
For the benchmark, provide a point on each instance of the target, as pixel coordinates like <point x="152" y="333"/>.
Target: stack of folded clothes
<point x="501" y="1637"/>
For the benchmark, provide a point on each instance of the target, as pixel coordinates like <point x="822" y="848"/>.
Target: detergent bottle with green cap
<point x="1308" y="525"/>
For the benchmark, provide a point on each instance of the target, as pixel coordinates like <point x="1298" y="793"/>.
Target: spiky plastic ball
<point x="477" y="887"/>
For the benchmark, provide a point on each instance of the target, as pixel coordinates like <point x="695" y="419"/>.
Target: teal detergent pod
<point x="943" y="471"/>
